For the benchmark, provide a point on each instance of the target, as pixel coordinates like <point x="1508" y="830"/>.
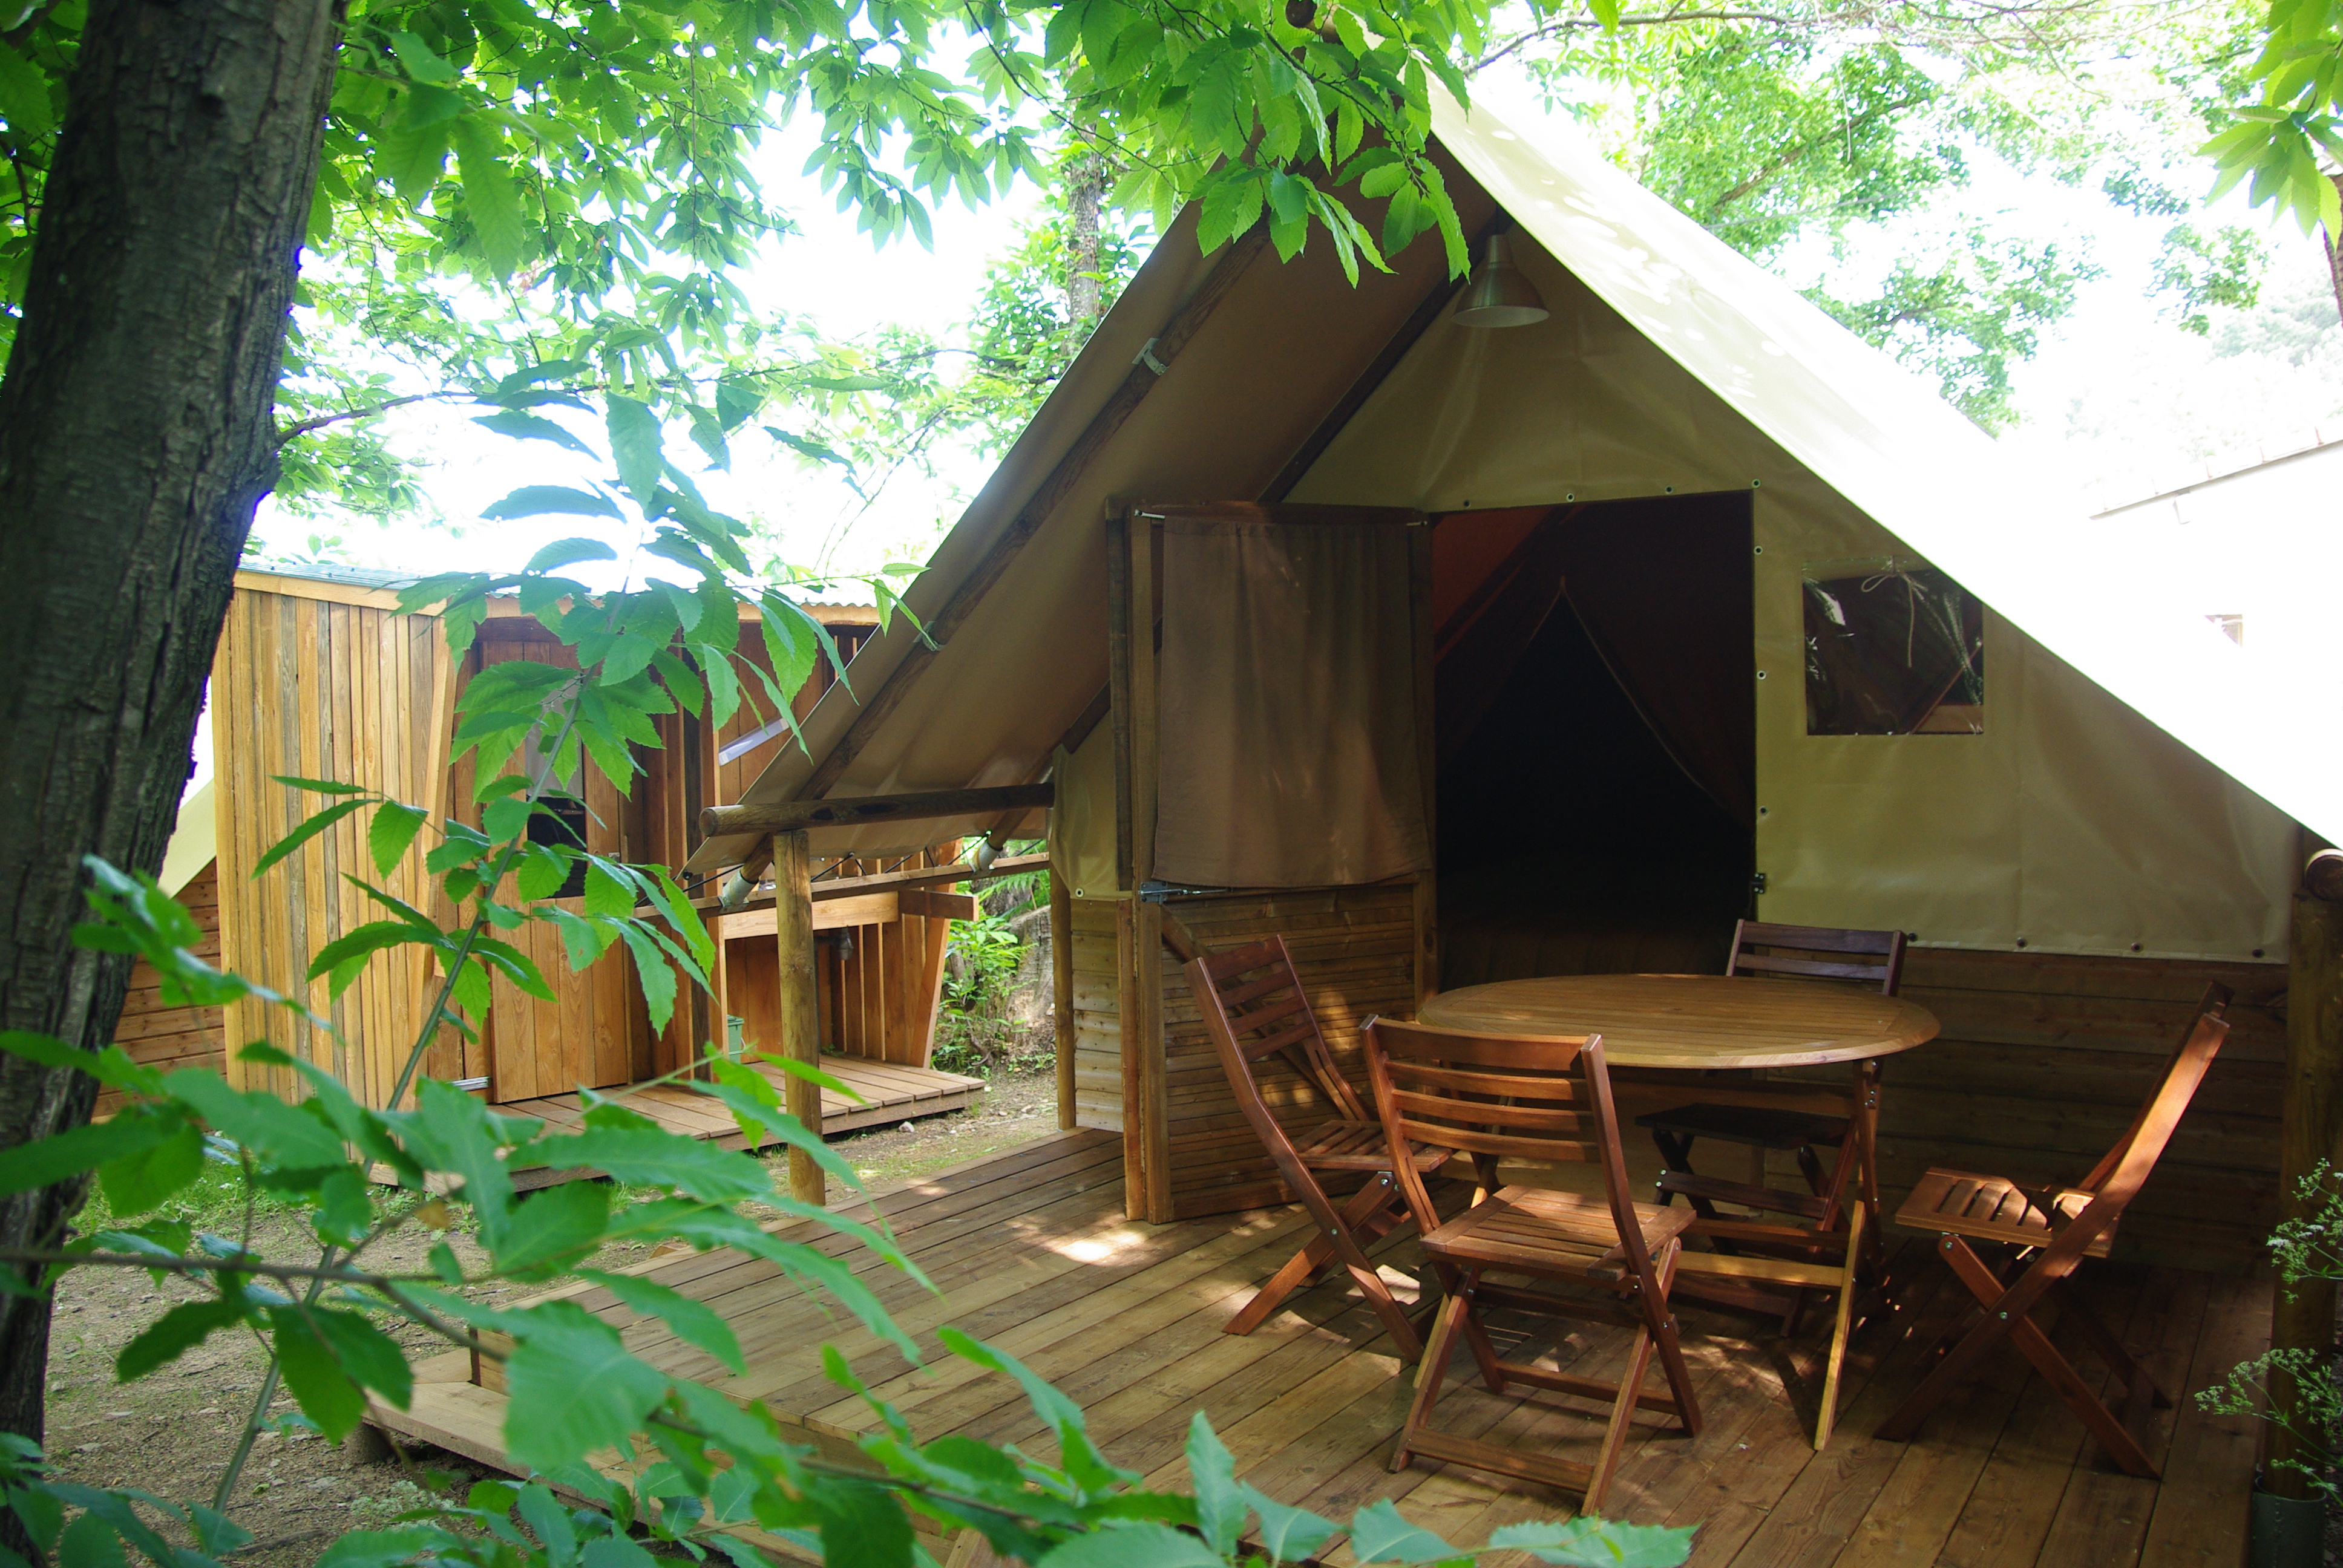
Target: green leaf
<point x="422" y="62"/>
<point x="523" y="426"/>
<point x="544" y="1515"/>
<point x="571" y="1386"/>
<point x="318" y="786"/>
<point x="1212" y="1477"/>
<point x="489" y="195"/>
<point x="652" y="972"/>
<point x="554" y="1227"/>
<point x="566" y="552"/>
<point x="90" y="1542"/>
<point x="175" y="1334"/>
<point x="694" y="1322"/>
<point x="85" y="1147"/>
<point x="1379" y="1535"/>
<point x="369" y="1357"/>
<point x="863" y="1526"/>
<point x="282" y="1135"/>
<point x="112" y="1066"/>
<point x="1287" y="1534"/>
<point x="315" y="1376"/>
<point x="139" y="1181"/>
<point x="634" y="447"/>
<point x="1590" y="1543"/>
<point x="391" y="833"/>
<point x="387" y="1548"/>
<point x="1142" y="1545"/>
<point x="305" y="832"/>
<point x="656" y="1158"/>
<point x="345" y="1210"/>
<point x="537" y="500"/>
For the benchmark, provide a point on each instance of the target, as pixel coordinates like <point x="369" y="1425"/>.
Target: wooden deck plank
<point x="2200" y="1514"/>
<point x="1034" y="1253"/>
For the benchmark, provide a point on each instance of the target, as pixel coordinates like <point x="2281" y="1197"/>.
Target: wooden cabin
<point x="317" y="678"/>
<point x="1456" y="655"/>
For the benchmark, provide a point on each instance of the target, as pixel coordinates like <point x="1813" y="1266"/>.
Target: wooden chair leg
<point x="1319" y="1255"/>
<point x="1963" y="1357"/>
<point x="2139" y="1383"/>
<point x="1431" y="1372"/>
<point x="1840" y="1328"/>
<point x="1671" y="1348"/>
<point x="1614" y="1435"/>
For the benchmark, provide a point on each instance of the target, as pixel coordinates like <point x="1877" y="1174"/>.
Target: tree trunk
<point x="2334" y="260"/>
<point x="1088" y="175"/>
<point x="137" y="436"/>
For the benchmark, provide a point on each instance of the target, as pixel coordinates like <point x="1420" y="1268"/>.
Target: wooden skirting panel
<point x="2044" y="1059"/>
<point x="1098" y="1020"/>
<point x="170" y="1037"/>
<point x="1355" y="949"/>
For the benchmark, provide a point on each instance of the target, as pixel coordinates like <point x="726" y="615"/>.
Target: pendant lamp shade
<point x="1499" y="295"/>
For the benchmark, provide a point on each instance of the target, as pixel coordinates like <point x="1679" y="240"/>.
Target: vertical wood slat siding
<point x="2043" y="1060"/>
<point x="301" y="687"/>
<point x="170" y="1037"/>
<point x="1098" y="1026"/>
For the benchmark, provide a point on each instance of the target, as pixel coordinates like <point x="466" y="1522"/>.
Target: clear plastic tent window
<point x="1892" y="650"/>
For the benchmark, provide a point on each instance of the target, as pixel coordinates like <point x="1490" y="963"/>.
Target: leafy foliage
<point x="2275" y="145"/>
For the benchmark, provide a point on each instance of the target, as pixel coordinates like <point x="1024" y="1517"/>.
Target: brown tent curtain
<point x="1662" y="587"/>
<point x="1287" y="705"/>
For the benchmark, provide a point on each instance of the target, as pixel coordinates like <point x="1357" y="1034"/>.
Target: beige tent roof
<point x="1282" y="344"/>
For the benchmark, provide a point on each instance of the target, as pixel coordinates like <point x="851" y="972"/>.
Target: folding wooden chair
<point x="2058" y="1227"/>
<point x="1806" y="953"/>
<point x="1254" y="1007"/>
<point x="1494" y="1098"/>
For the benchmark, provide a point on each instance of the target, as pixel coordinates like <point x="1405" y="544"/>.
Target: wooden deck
<point x="884" y="1094"/>
<point x="1033" y="1254"/>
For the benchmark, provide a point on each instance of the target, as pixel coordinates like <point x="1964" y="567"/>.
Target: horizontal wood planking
<point x="1355" y="949"/>
<point x="1098" y="1025"/>
<point x="2044" y="1058"/>
<point x="171" y="1038"/>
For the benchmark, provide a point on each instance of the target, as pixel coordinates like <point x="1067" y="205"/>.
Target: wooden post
<point x="2303" y="1317"/>
<point x="1061" y="987"/>
<point x="801" y="1014"/>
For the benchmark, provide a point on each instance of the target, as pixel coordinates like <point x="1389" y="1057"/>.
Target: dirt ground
<point x="171" y="1432"/>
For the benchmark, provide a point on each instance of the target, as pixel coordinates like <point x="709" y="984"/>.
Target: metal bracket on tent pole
<point x="1146" y="356"/>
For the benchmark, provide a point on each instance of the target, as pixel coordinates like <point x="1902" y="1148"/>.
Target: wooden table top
<point x="1691" y="1021"/>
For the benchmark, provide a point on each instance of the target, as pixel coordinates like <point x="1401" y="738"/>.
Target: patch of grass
<point x="215" y="1201"/>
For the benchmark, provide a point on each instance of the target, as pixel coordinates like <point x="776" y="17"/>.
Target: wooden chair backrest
<point x="2135" y="1157"/>
<point x="2215" y="1003"/>
<point x="1254" y="1006"/>
<point x="1496" y="1098"/>
<point x="1817" y="952"/>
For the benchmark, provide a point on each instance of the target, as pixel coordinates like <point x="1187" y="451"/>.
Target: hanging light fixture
<point x="1499" y="295"/>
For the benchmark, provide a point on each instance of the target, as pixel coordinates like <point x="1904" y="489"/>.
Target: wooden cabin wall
<point x="880" y="1004"/>
<point x="323" y="681"/>
<point x="2043" y="1060"/>
<point x="170" y="1037"/>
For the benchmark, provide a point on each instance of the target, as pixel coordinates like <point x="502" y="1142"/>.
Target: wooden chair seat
<point x="1552" y="1233"/>
<point x="1525" y="1249"/>
<point x="1991" y="1209"/>
<point x="1345" y="1145"/>
<point x="2051" y="1232"/>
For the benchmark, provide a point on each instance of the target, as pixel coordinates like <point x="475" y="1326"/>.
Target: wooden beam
<point x="801" y="1008"/>
<point x="2302" y="1314"/>
<point x="936" y="905"/>
<point x="1061" y="989"/>
<point x="796" y="816"/>
<point x="1052" y="491"/>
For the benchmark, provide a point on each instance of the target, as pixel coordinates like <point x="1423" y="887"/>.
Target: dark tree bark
<point x="137" y="436"/>
<point x="1087" y="177"/>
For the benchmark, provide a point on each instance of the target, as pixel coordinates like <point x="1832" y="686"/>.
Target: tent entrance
<point x="1596" y="736"/>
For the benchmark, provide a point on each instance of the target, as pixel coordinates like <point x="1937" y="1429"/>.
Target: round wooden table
<point x="1691" y="1022"/>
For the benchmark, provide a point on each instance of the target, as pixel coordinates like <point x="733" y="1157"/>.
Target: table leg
<point x="1865" y="1129"/>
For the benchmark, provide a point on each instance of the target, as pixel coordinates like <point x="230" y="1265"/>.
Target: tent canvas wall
<point x="2075" y="869"/>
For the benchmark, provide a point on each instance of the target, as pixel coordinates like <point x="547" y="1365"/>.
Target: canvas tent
<point x="2104" y="818"/>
